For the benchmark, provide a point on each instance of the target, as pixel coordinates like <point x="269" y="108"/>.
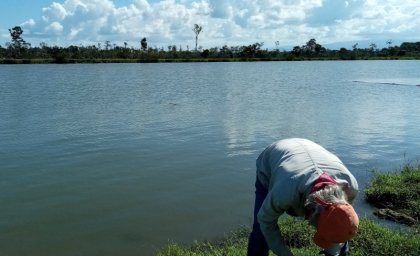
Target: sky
<point x="333" y="23"/>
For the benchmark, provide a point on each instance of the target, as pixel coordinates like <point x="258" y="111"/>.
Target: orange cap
<point x="337" y="223"/>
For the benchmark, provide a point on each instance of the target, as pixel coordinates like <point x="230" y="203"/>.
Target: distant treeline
<point x="22" y="52"/>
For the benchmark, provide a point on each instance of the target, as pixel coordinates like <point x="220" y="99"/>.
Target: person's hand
<point x="325" y="253"/>
<point x="343" y="251"/>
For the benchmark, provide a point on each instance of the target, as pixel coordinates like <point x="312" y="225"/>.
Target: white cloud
<point x="74" y="32"/>
<point x="142" y="5"/>
<point x="55" y="11"/>
<point x="55" y="28"/>
<point x="220" y="9"/>
<point x="382" y="20"/>
<point x="29" y="23"/>
<point x="231" y="22"/>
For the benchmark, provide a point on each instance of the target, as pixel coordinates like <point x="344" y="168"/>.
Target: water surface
<point x="119" y="159"/>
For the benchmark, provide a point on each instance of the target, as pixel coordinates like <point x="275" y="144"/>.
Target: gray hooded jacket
<point x="288" y="168"/>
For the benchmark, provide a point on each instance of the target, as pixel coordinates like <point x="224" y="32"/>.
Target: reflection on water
<point x="119" y="159"/>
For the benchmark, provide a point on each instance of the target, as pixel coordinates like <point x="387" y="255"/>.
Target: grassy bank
<point x="372" y="239"/>
<point x="399" y="191"/>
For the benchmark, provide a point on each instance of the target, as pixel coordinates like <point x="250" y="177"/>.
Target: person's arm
<point x="268" y="217"/>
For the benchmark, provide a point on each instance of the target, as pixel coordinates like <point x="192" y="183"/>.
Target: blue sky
<point x="333" y="23"/>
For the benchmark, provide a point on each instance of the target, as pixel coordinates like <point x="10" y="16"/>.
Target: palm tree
<point x="143" y="44"/>
<point x="197" y="30"/>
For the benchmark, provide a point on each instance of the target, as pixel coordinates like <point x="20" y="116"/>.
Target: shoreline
<point x="187" y="60"/>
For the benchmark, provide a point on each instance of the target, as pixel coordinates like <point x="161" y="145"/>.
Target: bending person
<point x="301" y="178"/>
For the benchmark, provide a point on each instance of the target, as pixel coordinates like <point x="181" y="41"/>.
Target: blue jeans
<point x="257" y="246"/>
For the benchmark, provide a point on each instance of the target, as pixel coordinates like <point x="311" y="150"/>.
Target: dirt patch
<point x="389" y="214"/>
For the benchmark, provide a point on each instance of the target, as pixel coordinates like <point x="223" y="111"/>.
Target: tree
<point x="205" y="53"/>
<point x="410" y="47"/>
<point x="277" y="45"/>
<point x="319" y="49"/>
<point x="225" y="52"/>
<point x="391" y="51"/>
<point x="17" y="40"/>
<point x="143" y="44"/>
<point x="253" y="50"/>
<point x="312" y="47"/>
<point x="197" y="30"/>
<point x="343" y="53"/>
<point x="107" y="45"/>
<point x="355" y="50"/>
<point x="354" y="46"/>
<point x="296" y="51"/>
<point x="373" y="47"/>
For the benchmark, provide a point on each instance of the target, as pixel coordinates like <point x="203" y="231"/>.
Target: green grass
<point x="399" y="191"/>
<point x="372" y="239"/>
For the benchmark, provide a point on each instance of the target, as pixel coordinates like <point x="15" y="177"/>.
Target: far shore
<point x="183" y="60"/>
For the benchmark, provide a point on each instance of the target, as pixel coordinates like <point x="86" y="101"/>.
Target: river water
<point x="119" y="159"/>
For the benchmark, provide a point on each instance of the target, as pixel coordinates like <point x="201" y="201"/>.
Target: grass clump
<point x="297" y="234"/>
<point x="399" y="191"/>
<point x="372" y="239"/>
<point x="233" y="244"/>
